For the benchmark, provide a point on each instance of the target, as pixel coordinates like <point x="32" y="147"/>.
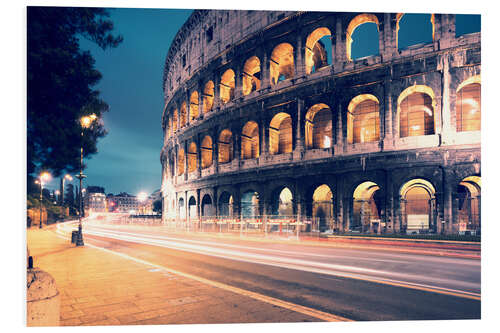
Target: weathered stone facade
<point x="251" y="106"/>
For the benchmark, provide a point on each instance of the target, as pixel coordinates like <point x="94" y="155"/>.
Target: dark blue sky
<point x="128" y="158"/>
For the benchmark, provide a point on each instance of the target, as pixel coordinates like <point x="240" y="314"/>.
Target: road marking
<point x="271" y="300"/>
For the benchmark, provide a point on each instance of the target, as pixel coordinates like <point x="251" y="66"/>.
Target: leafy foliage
<point x="59" y="85"/>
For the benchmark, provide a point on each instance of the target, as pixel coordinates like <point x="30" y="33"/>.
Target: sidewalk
<point x="100" y="288"/>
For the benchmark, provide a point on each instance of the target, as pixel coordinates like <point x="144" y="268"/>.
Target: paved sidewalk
<point x="100" y="288"/>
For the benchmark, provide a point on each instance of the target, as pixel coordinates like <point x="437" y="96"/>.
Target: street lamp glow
<point x="142" y="196"/>
<point x="87" y="120"/>
<point x="68" y="177"/>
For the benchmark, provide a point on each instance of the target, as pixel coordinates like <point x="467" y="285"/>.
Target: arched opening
<point x="318" y="127"/>
<point x="206" y="152"/>
<point x="366" y="208"/>
<point x="193" y="106"/>
<point x="227" y="84"/>
<point x="469" y="205"/>
<point x="208" y="97"/>
<point x="180" y="162"/>
<point x="467" y="24"/>
<point x="280" y="134"/>
<point x="250" y="140"/>
<point x="468" y="105"/>
<point x="251" y="75"/>
<point x="318" y="50"/>
<point x="281" y="63"/>
<point x="183" y="114"/>
<point x="416" y="111"/>
<point x="362" y="37"/>
<point x="207" y="209"/>
<point x="226" y="204"/>
<point x="363" y="119"/>
<point x="322" y="207"/>
<point x="174" y="121"/>
<point x="182" y="210"/>
<point x="418" y="206"/>
<point x="170" y="127"/>
<point x="414" y="29"/>
<point x="192" y="157"/>
<point x="193" y="212"/>
<point x="250" y="204"/>
<point x="225" y="146"/>
<point x="282" y="202"/>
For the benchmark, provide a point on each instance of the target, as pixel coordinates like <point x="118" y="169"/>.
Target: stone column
<point x="200" y="101"/>
<point x="446" y="130"/>
<point x="198" y="155"/>
<point x="339" y="145"/>
<point x="389" y="38"/>
<point x="300" y="129"/>
<point x="299" y="52"/>
<point x="198" y="204"/>
<point x="264" y="68"/>
<point x="185" y="161"/>
<point x="389" y="202"/>
<point x="215" y="150"/>
<point x="386" y="129"/>
<point x="447" y="200"/>
<point x="340" y="56"/>
<point x="238" y="81"/>
<point x="217" y="102"/>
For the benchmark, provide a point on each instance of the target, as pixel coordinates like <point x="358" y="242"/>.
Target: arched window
<point x="180" y="162"/>
<point x="251" y="75"/>
<point x="250" y="140"/>
<point x="417" y="205"/>
<point x="193" y="212"/>
<point x="225" y="146"/>
<point x="414" y="29"/>
<point x="281" y="63"/>
<point x="170" y="127"/>
<point x="322" y="207"/>
<point x="208" y="97"/>
<point x="250" y="204"/>
<point x="367" y="206"/>
<point x="363" y="120"/>
<point x="227" y="85"/>
<point x="282" y="203"/>
<point x="280" y="134"/>
<point x="416" y="111"/>
<point x="183" y="114"/>
<point x="207" y="208"/>
<point x="318" y="50"/>
<point x="174" y="121"/>
<point x="182" y="210"/>
<point x="193" y="106"/>
<point x="469" y="203"/>
<point x="468" y="107"/>
<point x="362" y="36"/>
<point x="192" y="157"/>
<point x="318" y="127"/>
<point x="225" y="204"/>
<point x="206" y="152"/>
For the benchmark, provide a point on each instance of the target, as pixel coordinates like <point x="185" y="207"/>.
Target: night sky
<point x="128" y="158"/>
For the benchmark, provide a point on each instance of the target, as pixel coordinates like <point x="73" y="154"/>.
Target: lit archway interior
<point x="192" y="157"/>
<point x="322" y="206"/>
<point x="207" y="208"/>
<point x="208" y="97"/>
<point x="416" y="108"/>
<point x="225" y="146"/>
<point x="417" y="204"/>
<point x="250" y="204"/>
<point x="281" y="63"/>
<point x="206" y="152"/>
<point x="250" y="140"/>
<point x="193" y="106"/>
<point x="363" y="119"/>
<point x="183" y="114"/>
<point x="468" y="105"/>
<point x="226" y="204"/>
<point x="369" y="21"/>
<point x="182" y="211"/>
<point x="285" y="207"/>
<point x="318" y="50"/>
<point x="280" y="134"/>
<point x="227" y="84"/>
<point x="180" y="162"/>
<point x="251" y="75"/>
<point x="367" y="204"/>
<point x="193" y="212"/>
<point x="174" y="121"/>
<point x="318" y="127"/>
<point x="469" y="203"/>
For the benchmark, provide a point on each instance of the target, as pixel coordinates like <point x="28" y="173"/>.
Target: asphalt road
<point x="359" y="284"/>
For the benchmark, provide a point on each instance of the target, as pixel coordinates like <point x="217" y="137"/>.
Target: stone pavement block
<point x="71" y="322"/>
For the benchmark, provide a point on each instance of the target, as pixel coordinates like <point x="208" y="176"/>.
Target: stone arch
<point x="281" y="63"/>
<point x="208" y="96"/>
<point x="422" y="18"/>
<point x="227" y="84"/>
<point x="417" y="205"/>
<point x="250" y="140"/>
<point x="251" y="75"/>
<point x="250" y="204"/>
<point x="316" y="52"/>
<point x="468" y="203"/>
<point x="367" y="206"/>
<point x="281" y="201"/>
<point x="318" y="126"/>
<point x="192" y="157"/>
<point x="193" y="106"/>
<point x="192" y="208"/>
<point x="226" y="203"/>
<point x="206" y="152"/>
<point x="280" y="134"/>
<point x="183" y="114"/>
<point x="322" y="207"/>
<point x="175" y="121"/>
<point x="355" y="23"/>
<point x="180" y="162"/>
<point x="468" y="105"/>
<point x="363" y="119"/>
<point x="181" y="209"/>
<point x="416" y="111"/>
<point x="207" y="208"/>
<point x="225" y="146"/>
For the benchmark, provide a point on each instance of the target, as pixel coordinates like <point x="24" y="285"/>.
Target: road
<point x="354" y="283"/>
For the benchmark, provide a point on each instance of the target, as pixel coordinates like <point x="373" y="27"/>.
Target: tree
<point x="157" y="206"/>
<point x="60" y="80"/>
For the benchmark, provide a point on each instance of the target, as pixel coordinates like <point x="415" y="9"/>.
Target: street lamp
<point x="85" y="122"/>
<point x="68" y="177"/>
<point x="44" y="176"/>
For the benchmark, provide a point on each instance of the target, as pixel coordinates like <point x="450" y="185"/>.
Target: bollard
<point x="74" y="235"/>
<point x="42" y="299"/>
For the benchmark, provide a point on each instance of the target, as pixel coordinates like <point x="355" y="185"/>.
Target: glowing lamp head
<point x="87" y="120"/>
<point x="45" y="176"/>
<point x="68" y="177"/>
<point x="142" y="196"/>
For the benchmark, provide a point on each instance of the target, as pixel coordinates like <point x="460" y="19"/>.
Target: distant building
<point x="122" y="203"/>
<point x="95" y="202"/>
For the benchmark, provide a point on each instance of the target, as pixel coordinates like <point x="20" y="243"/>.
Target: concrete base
<point x="42" y="299"/>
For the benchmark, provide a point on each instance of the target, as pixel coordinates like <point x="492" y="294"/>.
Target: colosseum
<point x="270" y="120"/>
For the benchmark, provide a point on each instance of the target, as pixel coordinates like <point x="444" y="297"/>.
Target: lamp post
<point x="43" y="176"/>
<point x="68" y="177"/>
<point x="85" y="122"/>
